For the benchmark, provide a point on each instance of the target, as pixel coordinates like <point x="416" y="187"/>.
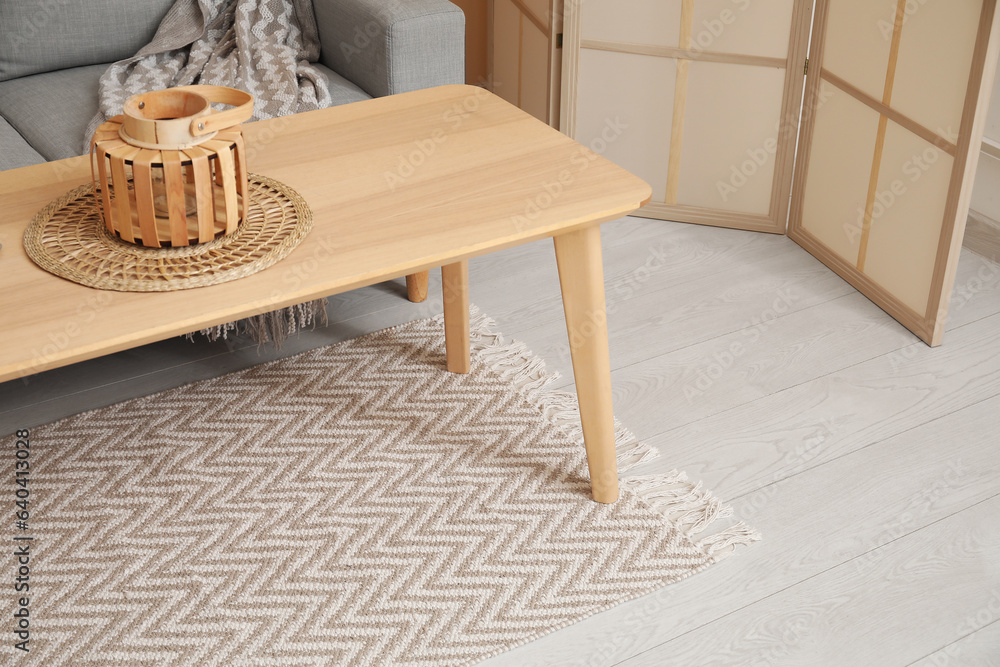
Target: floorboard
<point x="980" y="648"/>
<point x="861" y="616"/>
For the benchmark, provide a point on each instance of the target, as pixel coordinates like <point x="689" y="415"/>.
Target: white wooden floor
<point x="870" y="462"/>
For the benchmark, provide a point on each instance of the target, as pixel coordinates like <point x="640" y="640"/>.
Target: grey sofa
<point x="53" y="52"/>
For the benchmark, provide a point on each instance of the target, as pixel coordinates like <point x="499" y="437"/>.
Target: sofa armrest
<point x="392" y="46"/>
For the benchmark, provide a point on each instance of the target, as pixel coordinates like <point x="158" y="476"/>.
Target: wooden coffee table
<point x="397" y="185"/>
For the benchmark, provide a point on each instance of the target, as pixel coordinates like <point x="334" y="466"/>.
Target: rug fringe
<point x="516" y="364"/>
<point x="724" y="542"/>
<point x="692" y="509"/>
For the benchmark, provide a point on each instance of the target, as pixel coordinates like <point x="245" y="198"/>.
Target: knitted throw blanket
<point x="264" y="47"/>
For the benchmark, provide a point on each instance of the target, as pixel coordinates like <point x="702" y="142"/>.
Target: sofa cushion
<point x="341" y="90"/>
<point x="14" y="150"/>
<point x="392" y="47"/>
<point x="52" y="110"/>
<point x="46" y="35"/>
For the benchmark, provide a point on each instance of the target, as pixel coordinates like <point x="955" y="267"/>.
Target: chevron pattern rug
<point x="353" y="505"/>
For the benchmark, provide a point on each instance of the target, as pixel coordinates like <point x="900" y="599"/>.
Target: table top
<point x="397" y="185"/>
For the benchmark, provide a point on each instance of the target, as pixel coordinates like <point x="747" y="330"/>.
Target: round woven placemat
<point x="68" y="238"/>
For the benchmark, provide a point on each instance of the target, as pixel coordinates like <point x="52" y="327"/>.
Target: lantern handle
<point x="242" y="103"/>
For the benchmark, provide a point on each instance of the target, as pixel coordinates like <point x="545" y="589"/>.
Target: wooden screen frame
<point x="928" y="325"/>
<point x="550" y="26"/>
<point x="775" y="220"/>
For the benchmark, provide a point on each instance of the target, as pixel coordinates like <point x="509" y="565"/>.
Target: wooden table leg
<point x="416" y="286"/>
<point x="581" y="277"/>
<point x="455" y="286"/>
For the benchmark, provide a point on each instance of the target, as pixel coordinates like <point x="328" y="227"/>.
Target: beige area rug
<point x="353" y="505"/>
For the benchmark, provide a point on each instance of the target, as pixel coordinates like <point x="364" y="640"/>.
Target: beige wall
<point x="986" y="195"/>
<point x="476" y="42"/>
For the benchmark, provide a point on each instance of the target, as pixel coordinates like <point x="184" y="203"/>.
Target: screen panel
<point x="540" y="8"/>
<point x="930" y="84"/>
<point x="912" y="192"/>
<point x="659" y="21"/>
<point x="931" y="111"/>
<point x="506" y="67"/>
<point x="523" y="55"/>
<point x="743" y="26"/>
<point x="858" y="41"/>
<point x="534" y="91"/>
<point x="623" y="107"/>
<point x="836" y="186"/>
<point x="730" y="137"/>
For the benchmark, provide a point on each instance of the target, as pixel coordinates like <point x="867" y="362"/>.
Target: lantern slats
<point x="240" y="149"/>
<point x="142" y="177"/>
<point x="102" y="166"/>
<point x="188" y="168"/>
<point x="173" y="182"/>
<point x="227" y="169"/>
<point x="122" y="197"/>
<point x="203" y="192"/>
<point x="217" y="147"/>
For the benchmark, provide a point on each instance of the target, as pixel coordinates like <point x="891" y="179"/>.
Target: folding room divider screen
<point x="524" y="54"/>
<point x="704" y="100"/>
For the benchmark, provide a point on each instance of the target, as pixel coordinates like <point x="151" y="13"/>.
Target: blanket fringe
<point x="273" y="327"/>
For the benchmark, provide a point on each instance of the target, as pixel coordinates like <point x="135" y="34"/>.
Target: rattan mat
<point x="68" y="238"/>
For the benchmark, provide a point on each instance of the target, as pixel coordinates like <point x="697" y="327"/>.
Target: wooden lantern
<point x="171" y="171"/>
